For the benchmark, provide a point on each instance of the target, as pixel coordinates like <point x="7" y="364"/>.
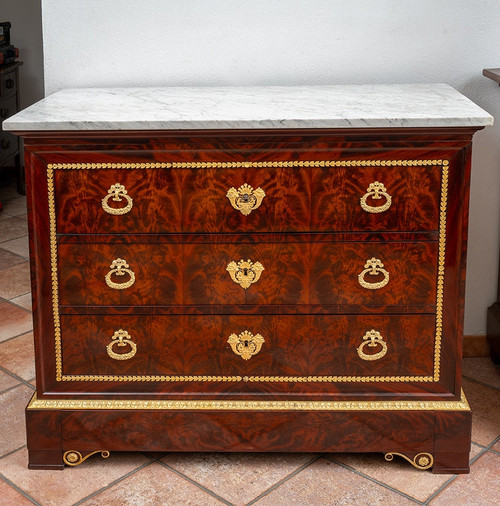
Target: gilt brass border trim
<point x="444" y="164"/>
<point x="461" y="405"/>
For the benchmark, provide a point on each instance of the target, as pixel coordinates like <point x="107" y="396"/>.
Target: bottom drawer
<point x="294" y="348"/>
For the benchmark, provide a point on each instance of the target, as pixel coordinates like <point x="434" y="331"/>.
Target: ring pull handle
<point x="244" y="272"/>
<point x="115" y="193"/>
<point x="245" y="199"/>
<point x="376" y="191"/>
<point x="120" y="267"/>
<point x="372" y="339"/>
<point x="246" y="345"/>
<point x="121" y="338"/>
<point x="373" y="267"/>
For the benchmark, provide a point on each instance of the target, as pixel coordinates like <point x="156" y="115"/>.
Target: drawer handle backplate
<point x="120" y="267"/>
<point x="372" y="339"/>
<point x="373" y="267"/>
<point x="246" y="345"/>
<point x="245" y="199"/>
<point x="376" y="191"/>
<point x="116" y="192"/>
<point x="245" y="272"/>
<point x="121" y="338"/>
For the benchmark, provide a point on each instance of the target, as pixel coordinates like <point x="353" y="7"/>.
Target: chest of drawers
<point x="247" y="284"/>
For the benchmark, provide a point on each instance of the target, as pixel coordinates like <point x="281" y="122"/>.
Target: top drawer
<point x="8" y="84"/>
<point x="234" y="197"/>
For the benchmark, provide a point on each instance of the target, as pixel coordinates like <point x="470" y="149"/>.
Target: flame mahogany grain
<point x="312" y="238"/>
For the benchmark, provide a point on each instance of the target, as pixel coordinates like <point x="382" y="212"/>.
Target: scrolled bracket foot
<point x="420" y="461"/>
<point x="75" y="458"/>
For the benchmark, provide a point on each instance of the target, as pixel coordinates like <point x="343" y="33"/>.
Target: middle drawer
<point x="325" y="273"/>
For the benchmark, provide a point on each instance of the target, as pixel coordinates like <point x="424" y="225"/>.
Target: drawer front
<point x="357" y="273"/>
<point x="254" y="347"/>
<point x="8" y="84"/>
<point x="376" y="198"/>
<point x="184" y="198"/>
<point x="9" y="145"/>
<point x="94" y="274"/>
<point x="8" y="107"/>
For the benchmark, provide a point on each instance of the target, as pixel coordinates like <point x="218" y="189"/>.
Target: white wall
<point x="249" y="42"/>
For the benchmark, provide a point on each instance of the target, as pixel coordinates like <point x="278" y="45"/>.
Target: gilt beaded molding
<point x="60" y="376"/>
<point x="96" y="404"/>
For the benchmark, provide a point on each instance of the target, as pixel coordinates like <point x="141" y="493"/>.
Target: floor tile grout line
<point x="453" y="478"/>
<point x="15" y="376"/>
<point x="21" y="491"/>
<point x="478" y="455"/>
<point x="17" y="237"/>
<point x="9" y="301"/>
<point x="18" y="305"/>
<point x="13" y="451"/>
<point x="481" y="383"/>
<point x="494" y="442"/>
<point x="374" y="480"/>
<point x="23" y="258"/>
<point x="199" y="485"/>
<point x="113" y="483"/>
<point x="15" y="337"/>
<point x="283" y="480"/>
<point x="446" y="484"/>
<point x="10" y="388"/>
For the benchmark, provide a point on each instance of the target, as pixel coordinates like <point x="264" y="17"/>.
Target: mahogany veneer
<point x="317" y="383"/>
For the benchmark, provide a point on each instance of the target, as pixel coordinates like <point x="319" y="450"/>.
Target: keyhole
<point x="245" y="271"/>
<point x="246" y="344"/>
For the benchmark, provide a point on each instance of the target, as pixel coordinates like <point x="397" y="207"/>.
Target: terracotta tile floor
<point x="206" y="479"/>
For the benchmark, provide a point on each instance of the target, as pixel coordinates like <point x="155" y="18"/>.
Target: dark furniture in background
<point x="9" y="105"/>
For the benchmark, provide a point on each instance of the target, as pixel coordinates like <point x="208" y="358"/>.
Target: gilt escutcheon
<point x="246" y="345"/>
<point x="245" y="199"/>
<point x="245" y="272"/>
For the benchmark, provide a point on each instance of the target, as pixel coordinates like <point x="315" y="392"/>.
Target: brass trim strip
<point x="293" y="163"/>
<point x="252" y="379"/>
<point x="461" y="405"/>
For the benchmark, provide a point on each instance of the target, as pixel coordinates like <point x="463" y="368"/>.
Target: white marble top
<point x="355" y="106"/>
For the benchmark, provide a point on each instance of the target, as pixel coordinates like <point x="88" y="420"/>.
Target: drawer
<point x="8" y="84"/>
<point x="346" y="273"/>
<point x="251" y="346"/>
<point x="254" y="199"/>
<point x="8" y="107"/>
<point x="93" y="274"/>
<point x="9" y="145"/>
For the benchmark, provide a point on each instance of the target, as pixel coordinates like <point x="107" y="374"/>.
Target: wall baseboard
<point x="476" y="346"/>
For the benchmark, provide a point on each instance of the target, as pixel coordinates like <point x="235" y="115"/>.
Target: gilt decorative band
<point x="246" y="345"/>
<point x="372" y="339"/>
<point x="373" y="267"/>
<point x="120" y="267"/>
<point x="245" y="199"/>
<point x="245" y="272"/>
<point x="376" y="191"/>
<point x="116" y="192"/>
<point x="121" y="338"/>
